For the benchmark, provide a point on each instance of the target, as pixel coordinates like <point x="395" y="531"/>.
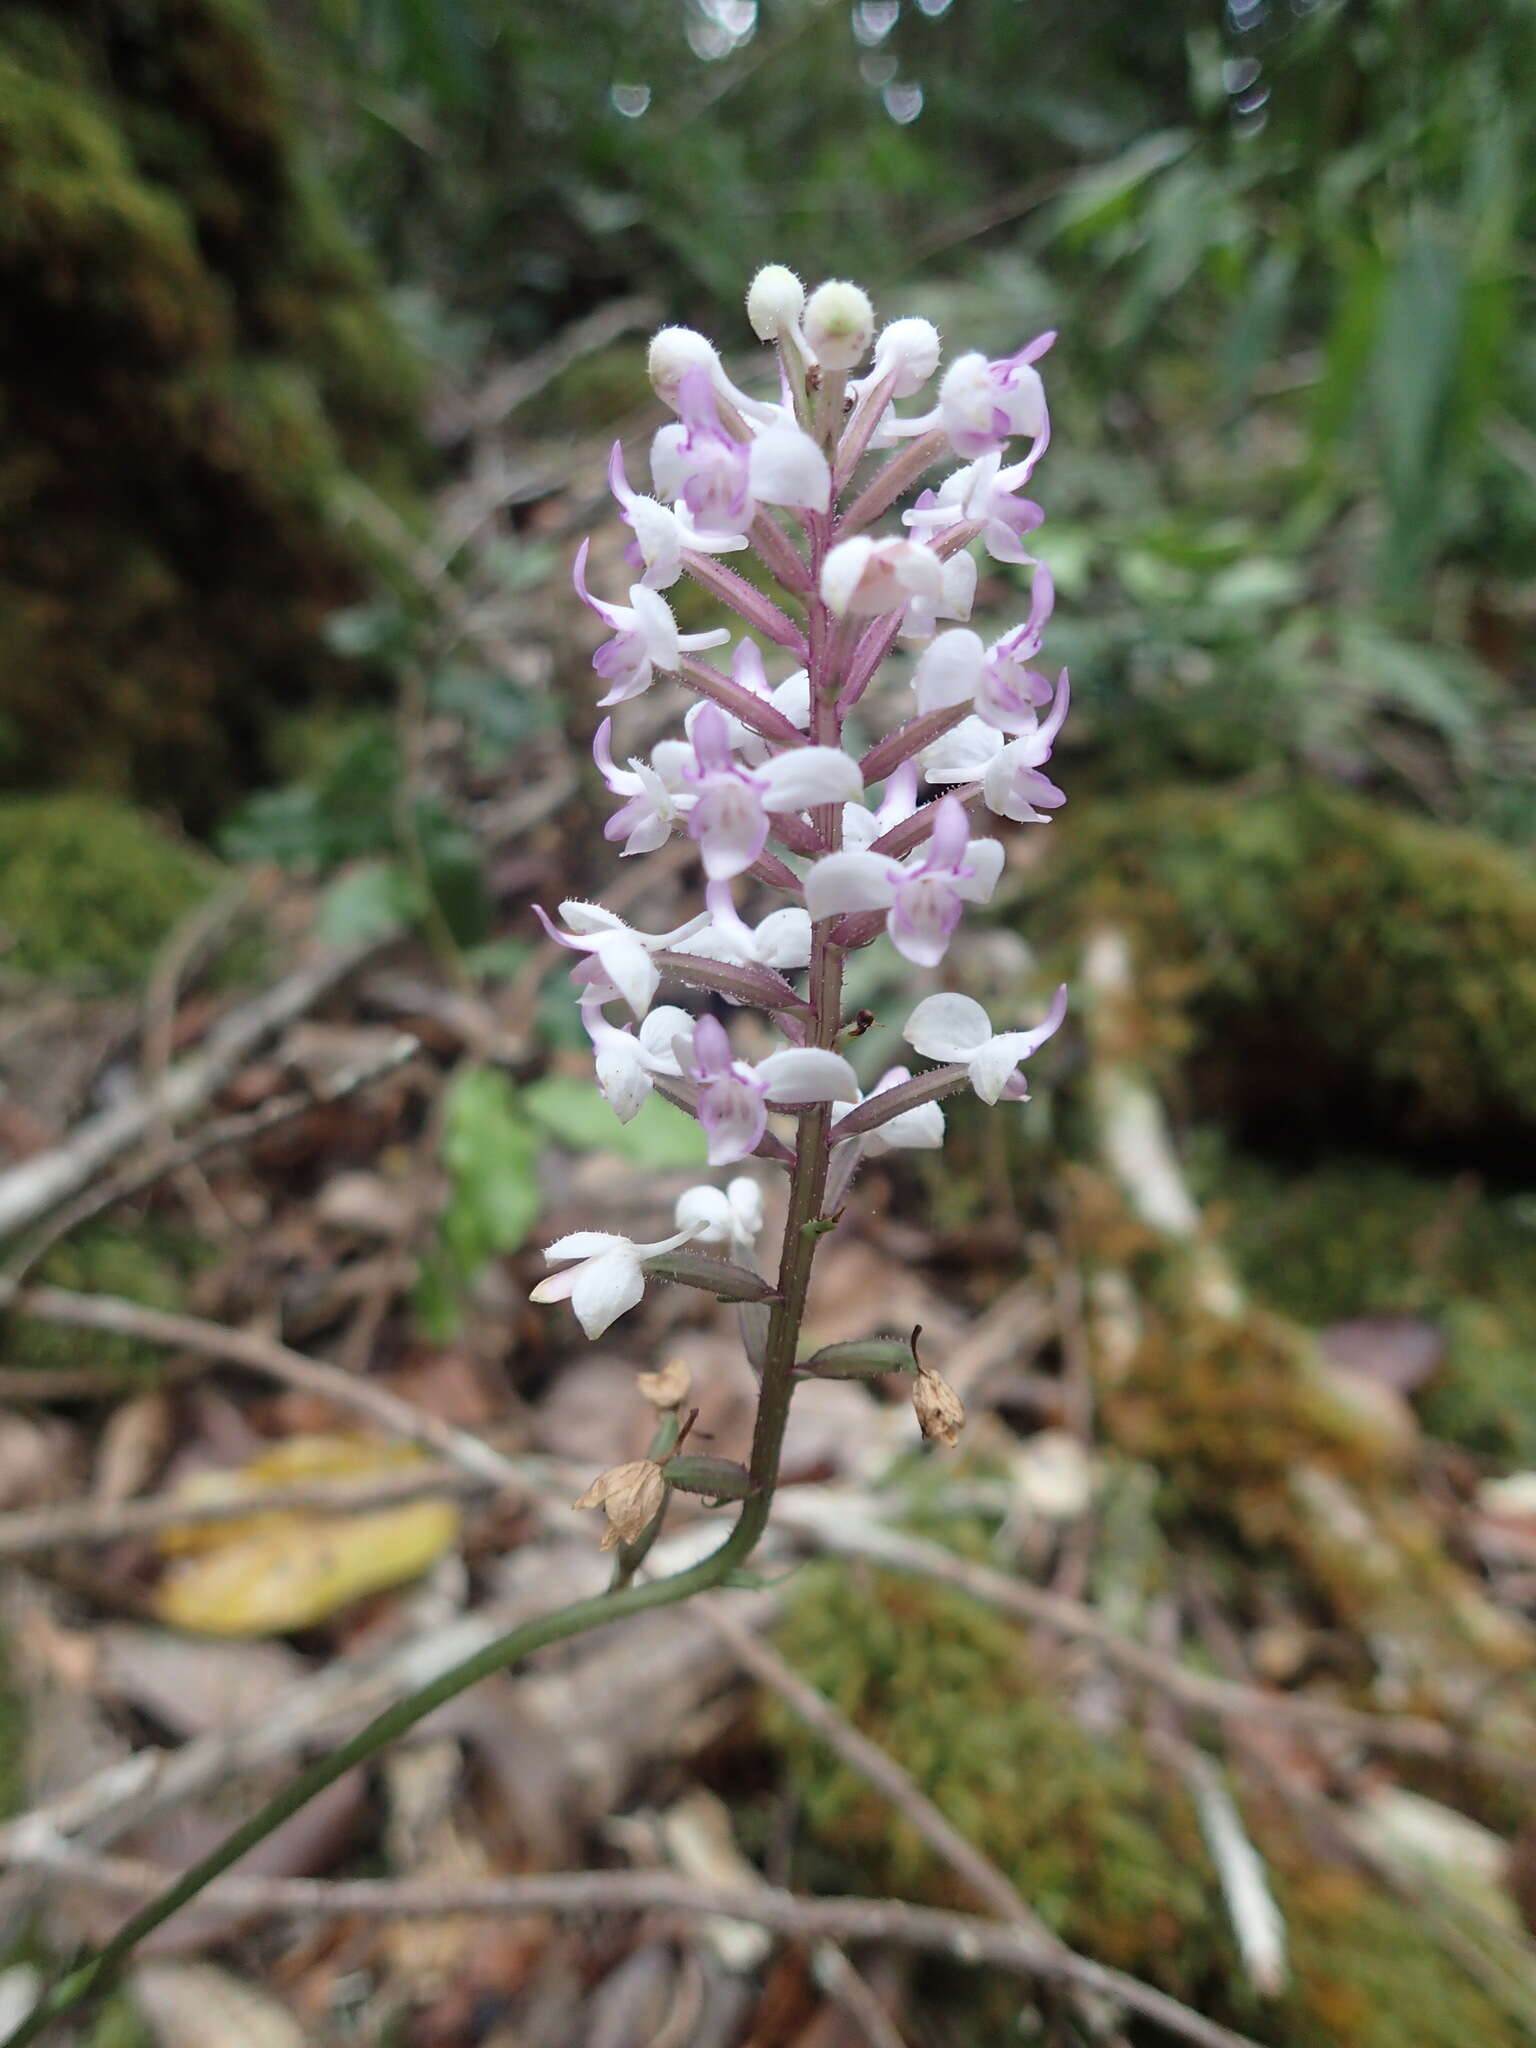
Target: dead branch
<point x="962" y="1937"/>
<point x="265" y="1355"/>
<point x="31" y="1189"/>
<point x="93" y="1521"/>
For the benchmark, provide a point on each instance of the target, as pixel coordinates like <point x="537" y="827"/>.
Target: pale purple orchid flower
<point x="923" y="897"/>
<point x="982" y="494"/>
<point x="791" y="699"/>
<point x="781" y="941"/>
<point x="955" y="1029"/>
<point x="662" y="533"/>
<point x="955" y="668"/>
<point x="914" y="1130"/>
<point x="645" y="639"/>
<point x="628" y="1062"/>
<point x="898" y="800"/>
<point x="1009" y="771"/>
<point x="721" y="480"/>
<point x="618" y="965"/>
<point x="655" y="798"/>
<point x="957" y="593"/>
<point x="862" y="578"/>
<point x="732" y="804"/>
<point x="734" y="1095"/>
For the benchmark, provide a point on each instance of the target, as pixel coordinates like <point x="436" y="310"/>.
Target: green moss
<point x="1365" y="1236"/>
<point x="149" y="1264"/>
<point x="195" y="364"/>
<point x="1347" y="965"/>
<point x="1101" y="1842"/>
<point x="90" y="888"/>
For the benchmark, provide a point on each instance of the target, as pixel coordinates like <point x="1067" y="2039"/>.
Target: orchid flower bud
<point x="775" y="301"/>
<point x="674" y="351"/>
<point x="839" y="324"/>
<point x="865" y="577"/>
<point x="908" y="351"/>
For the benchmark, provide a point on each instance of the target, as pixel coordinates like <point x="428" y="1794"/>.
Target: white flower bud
<point x="775" y="301"/>
<point x="864" y="577"/>
<point x="910" y="349"/>
<point x="675" y="350"/>
<point x="839" y="324"/>
<point x="667" y="1387"/>
<point x="630" y="1495"/>
<point x="940" y="1411"/>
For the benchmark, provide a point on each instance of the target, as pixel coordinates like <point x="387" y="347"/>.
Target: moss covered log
<point x="1336" y="967"/>
<point x="193" y="359"/>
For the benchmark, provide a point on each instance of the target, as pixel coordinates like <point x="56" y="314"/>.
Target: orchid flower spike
<point x="924" y="896"/>
<point x="955" y="1029"/>
<point x="645" y="637"/>
<point x="619" y="963"/>
<point x="607" y="1276"/>
<point x="734" y="1095"/>
<point x="730" y="1215"/>
<point x="732" y="804"/>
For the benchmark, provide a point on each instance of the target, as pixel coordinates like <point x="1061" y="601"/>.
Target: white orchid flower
<point x="956" y="1030"/>
<point x="730" y="1215"/>
<point x="607" y="1275"/>
<point x="619" y="963"/>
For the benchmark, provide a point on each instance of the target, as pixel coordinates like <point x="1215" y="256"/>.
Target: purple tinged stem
<point x="910" y="739"/>
<point x="887" y="485"/>
<point x="760" y="612"/>
<point x="753" y="712"/>
<point x="746" y="983"/>
<point x="879" y="1109"/>
<point x="780" y="553"/>
<point x="914" y="830"/>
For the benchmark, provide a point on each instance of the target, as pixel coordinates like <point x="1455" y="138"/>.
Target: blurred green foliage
<point x="90" y="888"/>
<point x="193" y="355"/>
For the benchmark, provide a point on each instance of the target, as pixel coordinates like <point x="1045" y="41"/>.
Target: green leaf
<point x="490" y="1150"/>
<point x="572" y="1111"/>
<point x="367" y="902"/>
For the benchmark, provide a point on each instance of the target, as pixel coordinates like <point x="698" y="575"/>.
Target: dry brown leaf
<point x="133" y="1445"/>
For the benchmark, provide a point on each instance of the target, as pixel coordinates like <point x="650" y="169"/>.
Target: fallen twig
<point x="962" y="1937"/>
<point x="105" y="1521"/>
<point x="275" y="1360"/>
<point x="31" y="1189"/>
<point x="216" y="1136"/>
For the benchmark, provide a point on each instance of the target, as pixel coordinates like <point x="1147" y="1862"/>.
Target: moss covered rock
<point x="1346" y="967"/>
<point x="89" y="888"/>
<point x="193" y="360"/>
<point x="1096" y="1837"/>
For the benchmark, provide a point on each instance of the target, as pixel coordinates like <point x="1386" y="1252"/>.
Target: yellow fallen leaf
<point x="267" y="1573"/>
<point x="298" y="1461"/>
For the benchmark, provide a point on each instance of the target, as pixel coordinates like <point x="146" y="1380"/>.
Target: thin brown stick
<point x="95" y="1521"/>
<point x="962" y="1937"/>
<point x="877" y="1768"/>
<point x="256" y="1353"/>
<point x="31" y="1189"/>
<point x="217" y="1136"/>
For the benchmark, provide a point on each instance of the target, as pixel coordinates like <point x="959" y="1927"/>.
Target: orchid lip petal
<point x="947" y="1027"/>
<point x="807" y="1074"/>
<point x="850" y="881"/>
